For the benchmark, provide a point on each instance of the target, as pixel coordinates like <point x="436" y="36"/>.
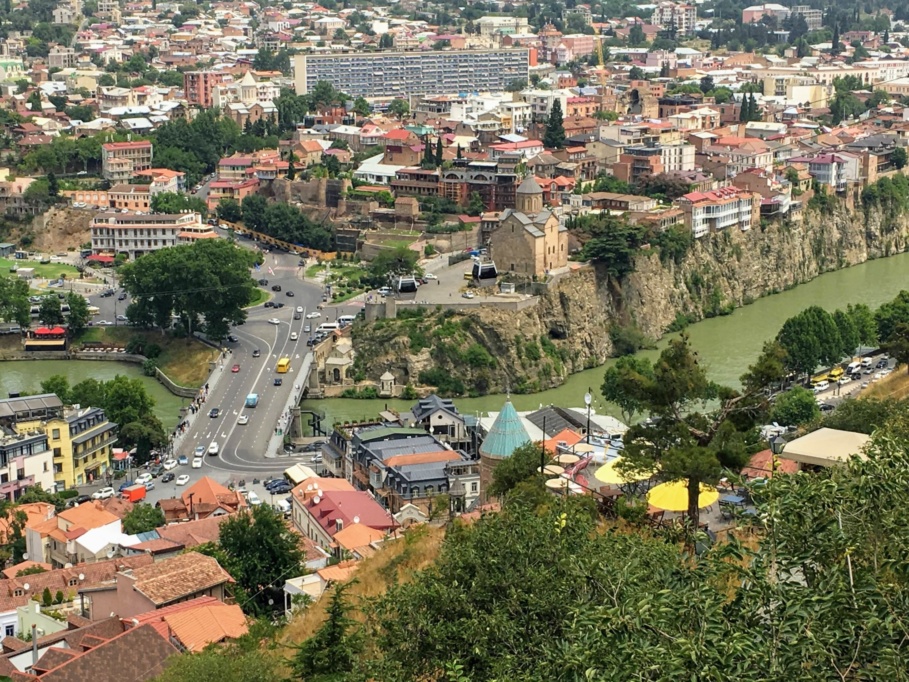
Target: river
<point x="726" y="345"/>
<point x="27" y="375"/>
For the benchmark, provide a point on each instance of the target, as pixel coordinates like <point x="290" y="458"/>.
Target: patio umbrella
<point x="609" y="475"/>
<point x="551" y="470"/>
<point x="673" y="496"/>
<point x="558" y="484"/>
<point x="567" y="459"/>
<point x="583" y="448"/>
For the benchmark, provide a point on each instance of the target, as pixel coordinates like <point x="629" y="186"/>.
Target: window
<point x="55" y="434"/>
<point x="473" y="487"/>
<point x="73" y="582"/>
<point x="9" y="630"/>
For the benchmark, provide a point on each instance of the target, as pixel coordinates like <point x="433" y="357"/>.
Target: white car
<point x="182" y="479"/>
<point x="143" y="478"/>
<point x="313" y="315"/>
<point x="274" y="320"/>
<point x="199" y="451"/>
<point x="253" y="499"/>
<point x="197" y="462"/>
<point x="430" y="275"/>
<point x="468" y="294"/>
<point x="293" y="336"/>
<point x="103" y="323"/>
<point x="170" y="464"/>
<point x="299" y="309"/>
<point x="103" y="494"/>
<point x="243" y="420"/>
<point x="213" y="448"/>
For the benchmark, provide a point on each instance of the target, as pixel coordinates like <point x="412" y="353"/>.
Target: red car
<point x="235" y="369"/>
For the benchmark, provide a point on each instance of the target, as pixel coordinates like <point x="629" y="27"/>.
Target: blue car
<point x="182" y="459"/>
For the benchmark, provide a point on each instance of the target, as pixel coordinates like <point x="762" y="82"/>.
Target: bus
<point x="283" y="366"/>
<point x="252" y="400"/>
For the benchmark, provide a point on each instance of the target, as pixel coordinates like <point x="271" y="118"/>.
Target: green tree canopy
<point x="14" y="303"/>
<point x="50" y="312"/>
<point x="795" y="407"/>
<point x="230" y="210"/>
<point x="78" y="311"/>
<point x="174" y="202"/>
<point x="554" y="137"/>
<point x="143" y="518"/>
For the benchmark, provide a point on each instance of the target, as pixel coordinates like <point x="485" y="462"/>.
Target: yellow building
<point x="81" y="440"/>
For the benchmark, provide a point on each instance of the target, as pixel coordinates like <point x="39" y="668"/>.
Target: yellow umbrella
<point x="557" y="483"/>
<point x="567" y="459"/>
<point x="552" y="470"/>
<point x="673" y="496"/>
<point x="609" y="475"/>
<point x="582" y="448"/>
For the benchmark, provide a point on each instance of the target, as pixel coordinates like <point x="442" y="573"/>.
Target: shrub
<point x="46" y="597"/>
<point x="59" y="597"/>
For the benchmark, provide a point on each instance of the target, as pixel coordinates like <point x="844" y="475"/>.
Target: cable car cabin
<point x="485" y="273"/>
<point x="406" y="285"/>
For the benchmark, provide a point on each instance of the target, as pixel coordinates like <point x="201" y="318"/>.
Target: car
<point x="842" y="381"/>
<point x="307" y="328"/>
<point x="122" y="318"/>
<point x="103" y="494"/>
<point x="263" y="282"/>
<point x="213" y="448"/>
<point x="168" y="477"/>
<point x="243" y="420"/>
<point x="279" y="305"/>
<point x="143" y="478"/>
<point x="121" y="297"/>
<point x="235" y="369"/>
<point x="299" y="309"/>
<point x="103" y="323"/>
<point x="298" y="316"/>
<point x="182" y="479"/>
<point x="314" y="315"/>
<point x="289" y="293"/>
<point x="317" y="459"/>
<point x="214" y="412"/>
<point x="278" y="381"/>
<point x="76" y="501"/>
<point x="429" y="275"/>
<point x="197" y="462"/>
<point x="232" y="338"/>
<point x="199" y="451"/>
<point x="856" y="376"/>
<point x="253" y="499"/>
<point x="468" y="294"/>
<point x="315" y="446"/>
<point x="182" y="460"/>
<point x="881" y="364"/>
<point x="276" y="287"/>
<point x="150" y="486"/>
<point x="156" y="470"/>
<point x="269" y="304"/>
<point x="170" y="464"/>
<point x="274" y="320"/>
<point x="293" y="336"/>
<point x="273" y="483"/>
<point x="310" y="341"/>
<point x="256" y="352"/>
<point x="281" y="489"/>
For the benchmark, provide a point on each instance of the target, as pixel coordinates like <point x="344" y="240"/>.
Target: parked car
<point x="182" y="479"/>
<point x="182" y="460"/>
<point x="168" y="477"/>
<point x="299" y="309"/>
<point x="103" y="494"/>
<point x="276" y="287"/>
<point x="253" y="499"/>
<point x="298" y="316"/>
<point x="430" y="275"/>
<point x="156" y="470"/>
<point x="281" y="489"/>
<point x="269" y="304"/>
<point x="144" y="478"/>
<point x="263" y="282"/>
<point x="170" y="464"/>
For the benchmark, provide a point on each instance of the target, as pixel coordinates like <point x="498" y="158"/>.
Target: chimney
<point x="34" y="645"/>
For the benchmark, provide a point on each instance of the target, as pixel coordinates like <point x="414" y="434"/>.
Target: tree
<point x="636" y="73"/>
<point x="229" y="211"/>
<point x="438" y="156"/>
<point x="614" y="245"/>
<point x="399" y="107"/>
<point x="627" y="370"/>
<point x="890" y="315"/>
<point x="261" y="552"/>
<point x="78" y="312"/>
<point x="174" y="202"/>
<point x="142" y="519"/>
<point x="58" y="385"/>
<point x="636" y="36"/>
<point x="34" y="101"/>
<point x="14" y="303"/>
<point x="53" y="187"/>
<point x="224" y="664"/>
<point x="523" y="464"/>
<point x="698" y="426"/>
<point x="706" y="84"/>
<point x="836" y="45"/>
<point x="554" y="137"/>
<point x="899" y="158"/>
<point x="254" y="206"/>
<point x="391" y="262"/>
<point x="849" y="337"/>
<point x="516" y="85"/>
<point x="810" y="338"/>
<point x="361" y="107"/>
<point x="334" y="649"/>
<point x="475" y="205"/>
<point x="49" y="310"/>
<point x="208" y="280"/>
<point x="291" y="170"/>
<point x="795" y="407"/>
<point x="864" y="322"/>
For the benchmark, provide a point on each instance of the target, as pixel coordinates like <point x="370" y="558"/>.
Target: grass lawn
<point x="259" y="297"/>
<point x="49" y="271"/>
<point x="314" y="270"/>
<point x="395" y="243"/>
<point x="186" y="362"/>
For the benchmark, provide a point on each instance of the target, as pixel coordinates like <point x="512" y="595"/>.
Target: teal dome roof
<point x="506" y="435"/>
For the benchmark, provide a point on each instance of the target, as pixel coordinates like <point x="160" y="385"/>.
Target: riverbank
<point x="726" y="345"/>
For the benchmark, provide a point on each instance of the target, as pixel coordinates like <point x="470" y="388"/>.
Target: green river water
<point x="27" y="375"/>
<point x="727" y="345"/>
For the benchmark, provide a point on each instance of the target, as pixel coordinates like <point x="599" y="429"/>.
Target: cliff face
<point x="569" y="330"/>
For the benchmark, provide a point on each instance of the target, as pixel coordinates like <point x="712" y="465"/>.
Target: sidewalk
<point x="178" y="436"/>
<point x="276" y="443"/>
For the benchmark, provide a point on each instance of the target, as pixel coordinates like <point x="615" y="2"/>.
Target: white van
<point x="213" y="449"/>
<point x="345" y="320"/>
<point x="867" y="362"/>
<point x="821" y="386"/>
<point x="328" y="327"/>
<point x="853" y="367"/>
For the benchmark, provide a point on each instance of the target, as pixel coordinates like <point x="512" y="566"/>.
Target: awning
<point x="50" y="331"/>
<point x="673" y="496"/>
<point x="100" y="259"/>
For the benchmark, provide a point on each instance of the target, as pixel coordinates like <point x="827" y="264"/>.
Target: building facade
<point x="136" y="234"/>
<point x="720" y="209"/>
<point x="678" y="15"/>
<point x="198" y="87"/>
<point x="404" y="74"/>
<point x="120" y="161"/>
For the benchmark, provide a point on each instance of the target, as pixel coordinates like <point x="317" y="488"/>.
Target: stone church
<point x="528" y="239"/>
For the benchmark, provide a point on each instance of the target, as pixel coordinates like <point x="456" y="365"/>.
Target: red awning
<point x="101" y="259"/>
<point x="53" y="331"/>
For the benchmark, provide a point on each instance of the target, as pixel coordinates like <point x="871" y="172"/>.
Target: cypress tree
<point x="439" y="151"/>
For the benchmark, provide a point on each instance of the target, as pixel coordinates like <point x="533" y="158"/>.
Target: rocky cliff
<point x="490" y="350"/>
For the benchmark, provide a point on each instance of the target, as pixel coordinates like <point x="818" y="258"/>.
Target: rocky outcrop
<point x="569" y="330"/>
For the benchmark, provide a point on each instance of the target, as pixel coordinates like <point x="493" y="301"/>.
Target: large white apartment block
<point x="403" y="74"/>
<point x="678" y="14"/>
<point x="135" y="234"/>
<point x="720" y="209"/>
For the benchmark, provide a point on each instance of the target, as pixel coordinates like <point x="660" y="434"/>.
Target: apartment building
<point x="813" y="17"/>
<point x="403" y="74"/>
<point x="162" y="180"/>
<point x="681" y="16"/>
<point x="25" y="458"/>
<point x="198" y="86"/>
<point x="506" y="25"/>
<point x="720" y="209"/>
<point x="120" y="161"/>
<point x="80" y="439"/>
<point x="639" y="161"/>
<point x="136" y="234"/>
<point x="61" y="57"/>
<point x="129" y="197"/>
<point x="237" y="190"/>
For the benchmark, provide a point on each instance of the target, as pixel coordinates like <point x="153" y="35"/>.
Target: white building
<point x="136" y="234"/>
<point x="680" y="15"/>
<point x="719" y="209"/>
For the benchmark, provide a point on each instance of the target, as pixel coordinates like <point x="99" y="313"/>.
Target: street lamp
<point x="588" y="399"/>
<point x="777" y="443"/>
